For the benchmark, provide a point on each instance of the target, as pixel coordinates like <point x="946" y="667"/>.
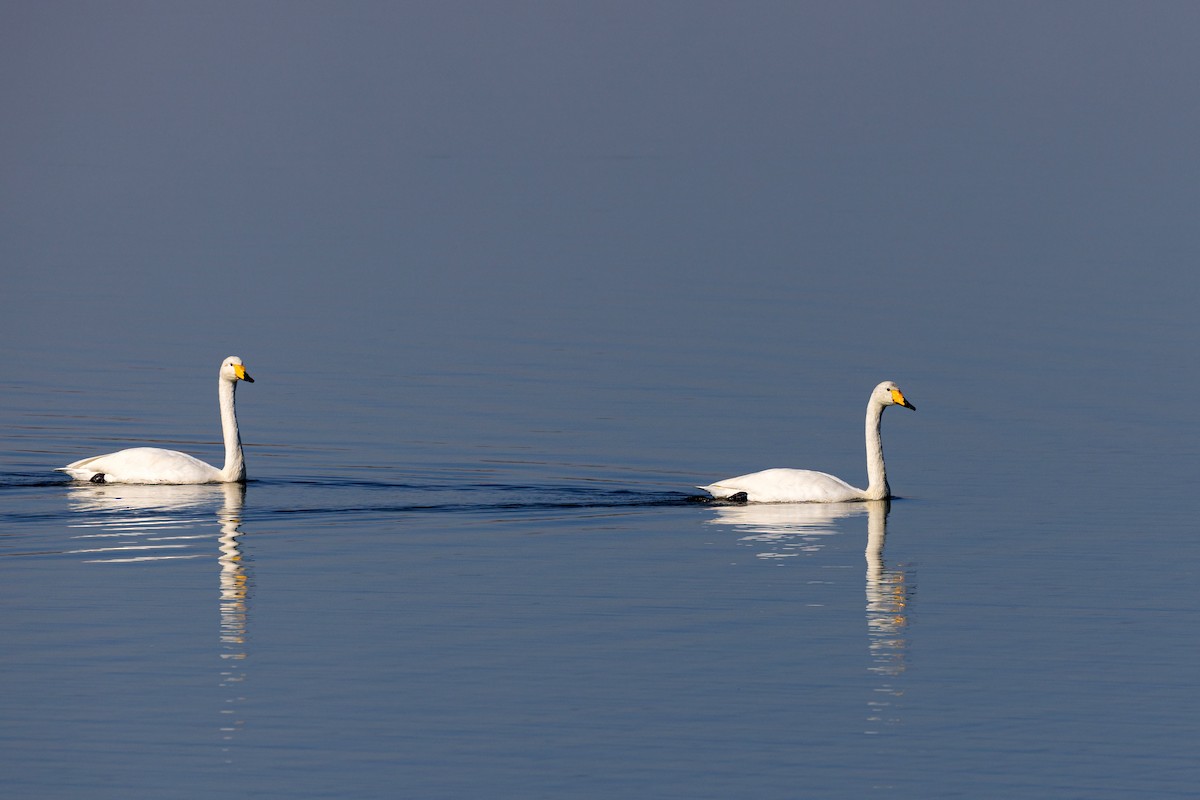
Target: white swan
<point x="809" y="486"/>
<point x="156" y="465"/>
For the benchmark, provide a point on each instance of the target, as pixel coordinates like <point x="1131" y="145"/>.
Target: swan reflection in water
<point x="789" y="530"/>
<point x="129" y="523"/>
<point x="786" y="530"/>
<point x="889" y="594"/>
<point x="234" y="593"/>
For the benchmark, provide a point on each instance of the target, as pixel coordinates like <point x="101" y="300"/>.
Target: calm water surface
<point x="439" y="618"/>
<point x="511" y="281"/>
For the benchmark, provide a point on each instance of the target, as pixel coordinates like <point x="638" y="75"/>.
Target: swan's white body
<point x="809" y="486"/>
<point x="156" y="465"/>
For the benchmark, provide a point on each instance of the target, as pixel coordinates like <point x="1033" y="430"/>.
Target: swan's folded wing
<point x="144" y="465"/>
<point x="786" y="486"/>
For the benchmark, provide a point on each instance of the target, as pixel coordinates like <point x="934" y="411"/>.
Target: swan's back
<point x="786" y="486"/>
<point x="143" y="465"/>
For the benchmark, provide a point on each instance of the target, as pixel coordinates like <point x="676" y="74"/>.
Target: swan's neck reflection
<point x="887" y="619"/>
<point x="234" y="593"/>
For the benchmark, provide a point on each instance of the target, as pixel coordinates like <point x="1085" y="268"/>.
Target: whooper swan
<point x="809" y="486"/>
<point x="156" y="465"/>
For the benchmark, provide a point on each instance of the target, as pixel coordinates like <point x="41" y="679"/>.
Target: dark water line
<point x="537" y="497"/>
<point x="27" y="480"/>
<point x="482" y="508"/>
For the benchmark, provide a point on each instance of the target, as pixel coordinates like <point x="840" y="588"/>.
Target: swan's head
<point x="233" y="370"/>
<point x="889" y="394"/>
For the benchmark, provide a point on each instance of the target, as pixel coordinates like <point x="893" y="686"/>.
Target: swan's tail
<point x="720" y="492"/>
<point x="77" y="474"/>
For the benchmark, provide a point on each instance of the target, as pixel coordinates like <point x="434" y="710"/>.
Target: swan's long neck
<point x="235" y="465"/>
<point x="877" y="486"/>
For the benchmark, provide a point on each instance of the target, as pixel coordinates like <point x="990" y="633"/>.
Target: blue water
<point x="511" y="283"/>
<point x="445" y="620"/>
